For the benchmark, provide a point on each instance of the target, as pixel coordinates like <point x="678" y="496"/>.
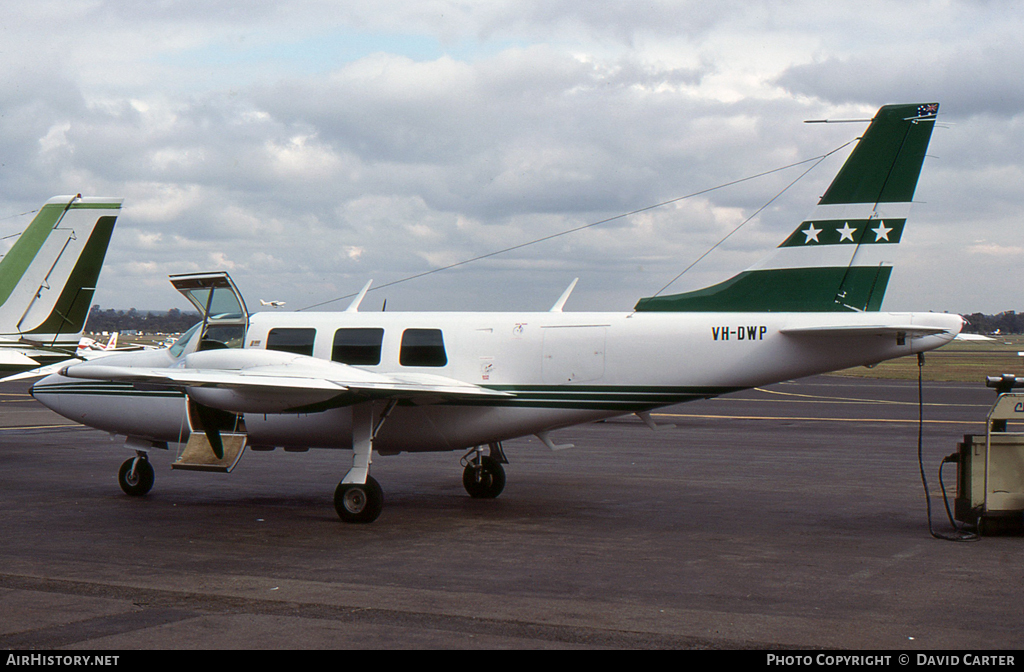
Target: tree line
<point x="173" y="321"/>
<point x="1005" y="323"/>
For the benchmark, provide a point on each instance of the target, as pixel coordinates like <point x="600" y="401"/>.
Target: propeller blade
<point x="218" y="446"/>
<point x="212" y="420"/>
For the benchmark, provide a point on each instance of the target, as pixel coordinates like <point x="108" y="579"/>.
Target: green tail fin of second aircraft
<point x="48" y="277"/>
<point x="840" y="258"/>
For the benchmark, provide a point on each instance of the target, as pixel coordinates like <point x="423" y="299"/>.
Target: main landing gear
<point x="484" y="477"/>
<point x="359" y="502"/>
<point x="359" y="498"/>
<point x="136" y="475"/>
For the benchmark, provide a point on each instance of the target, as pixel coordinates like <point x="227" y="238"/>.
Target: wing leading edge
<point x="267" y="381"/>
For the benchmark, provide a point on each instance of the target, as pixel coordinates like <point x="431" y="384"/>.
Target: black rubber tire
<point x="357" y="503"/>
<point x="143" y="480"/>
<point x="485" y="481"/>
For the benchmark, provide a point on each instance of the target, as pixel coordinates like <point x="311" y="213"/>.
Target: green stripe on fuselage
<point x="104" y="388"/>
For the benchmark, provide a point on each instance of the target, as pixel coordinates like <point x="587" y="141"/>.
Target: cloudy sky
<point x="308" y="146"/>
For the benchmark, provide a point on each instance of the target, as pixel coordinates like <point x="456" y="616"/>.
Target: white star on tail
<point x="811" y="233"/>
<point x="882" y="232"/>
<point x="846" y="233"/>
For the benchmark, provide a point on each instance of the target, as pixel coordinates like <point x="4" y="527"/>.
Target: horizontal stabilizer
<point x="15" y="358"/>
<point x="973" y="337"/>
<point x="866" y="330"/>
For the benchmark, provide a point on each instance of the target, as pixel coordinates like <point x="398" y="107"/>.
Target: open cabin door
<point x="217" y="438"/>
<point x="225" y="318"/>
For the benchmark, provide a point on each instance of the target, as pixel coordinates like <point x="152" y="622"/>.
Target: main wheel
<point x="356" y="503"/>
<point x="485" y="480"/>
<point x="138" y="483"/>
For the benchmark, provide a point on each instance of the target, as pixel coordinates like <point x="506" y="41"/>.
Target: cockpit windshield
<point x="179" y="345"/>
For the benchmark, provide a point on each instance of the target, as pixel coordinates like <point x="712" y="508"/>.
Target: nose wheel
<point x="136" y="476"/>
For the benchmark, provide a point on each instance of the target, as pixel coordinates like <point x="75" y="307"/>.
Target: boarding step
<point x="199" y="456"/>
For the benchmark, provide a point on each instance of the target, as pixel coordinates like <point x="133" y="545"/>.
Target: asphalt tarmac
<point x="792" y="517"/>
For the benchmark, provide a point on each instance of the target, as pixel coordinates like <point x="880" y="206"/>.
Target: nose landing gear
<point x="136" y="476"/>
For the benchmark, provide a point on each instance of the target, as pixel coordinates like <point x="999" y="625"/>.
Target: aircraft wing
<point x="56" y="367"/>
<point x="38" y="372"/>
<point x="262" y="381"/>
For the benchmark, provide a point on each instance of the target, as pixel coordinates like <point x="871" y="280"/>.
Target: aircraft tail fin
<point x="840" y="258"/>
<point x="48" y="277"/>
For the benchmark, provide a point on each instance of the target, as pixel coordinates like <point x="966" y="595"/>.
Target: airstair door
<point x="215" y="296"/>
<point x="218" y="438"/>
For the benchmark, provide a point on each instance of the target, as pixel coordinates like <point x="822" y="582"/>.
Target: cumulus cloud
<point x="308" y="146"/>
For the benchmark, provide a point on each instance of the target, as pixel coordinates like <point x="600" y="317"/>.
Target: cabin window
<point x="422" y="347"/>
<point x="357" y="346"/>
<point x="220" y="336"/>
<point x="298" y="341"/>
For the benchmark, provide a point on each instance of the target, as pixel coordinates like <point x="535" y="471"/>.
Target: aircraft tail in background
<point x="49" y="276"/>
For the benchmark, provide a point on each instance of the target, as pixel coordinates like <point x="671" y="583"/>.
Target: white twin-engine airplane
<point x="417" y="382"/>
<point x="48" y="277"/>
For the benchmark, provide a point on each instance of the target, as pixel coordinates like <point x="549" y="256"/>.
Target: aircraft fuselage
<point x="559" y="369"/>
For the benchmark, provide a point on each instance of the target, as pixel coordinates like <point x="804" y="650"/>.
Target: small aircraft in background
<point x="445" y="381"/>
<point x="272" y="304"/>
<point x="90" y="349"/>
<point x="87" y="345"/>
<point x="48" y="277"/>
